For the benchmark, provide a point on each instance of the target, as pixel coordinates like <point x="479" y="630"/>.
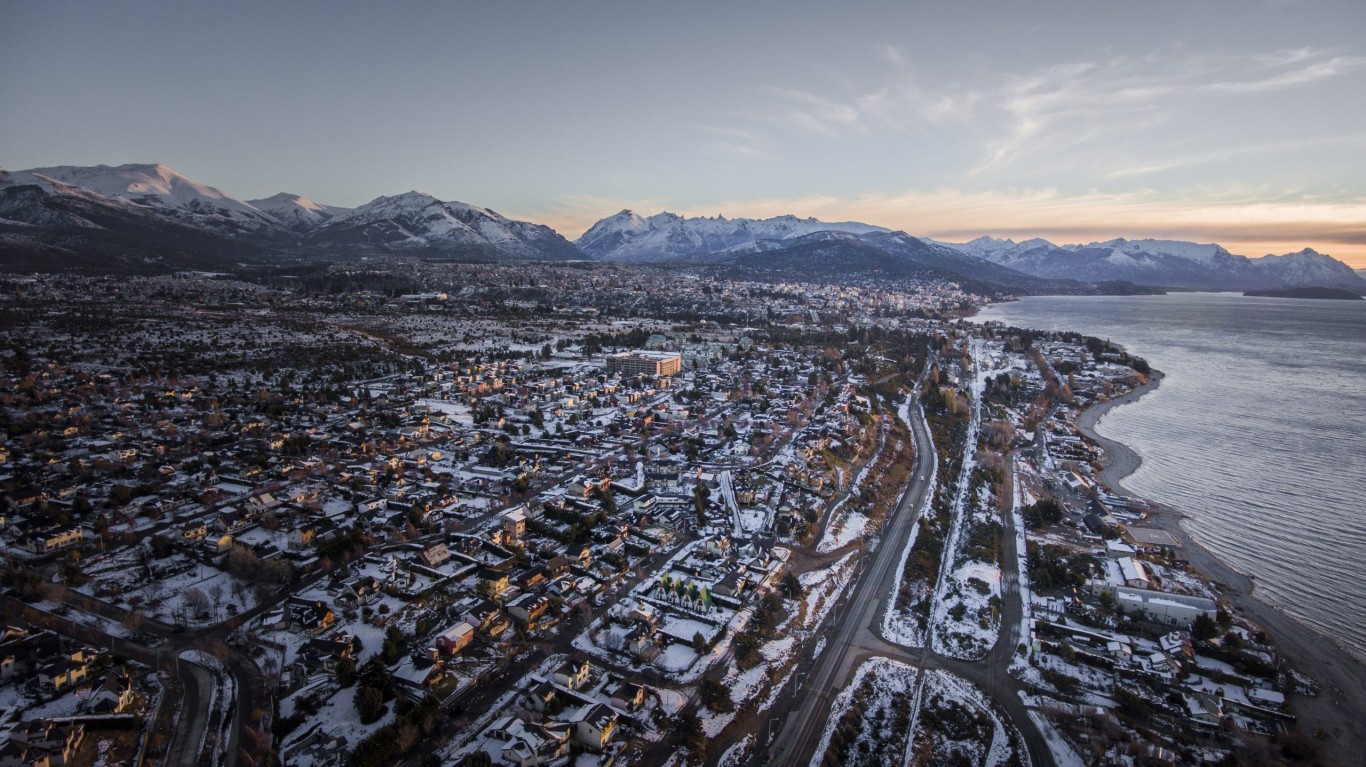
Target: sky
<point x="1239" y="122"/>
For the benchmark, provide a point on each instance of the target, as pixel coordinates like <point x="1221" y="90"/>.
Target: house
<point x="515" y="741"/>
<point x="1133" y="572"/>
<point x="593" y="726"/>
<point x="54" y="539"/>
<point x="324" y="654"/>
<point x="542" y="696"/>
<point x="300" y="538"/>
<point x="455" y="638"/>
<point x="481" y="613"/>
<point x="435" y="555"/>
<point x="627" y="696"/>
<point x="580" y="555"/>
<point x="64" y="670"/>
<point x="41" y="743"/>
<point x="113" y="694"/>
<point x="325" y="749"/>
<point x="415" y="674"/>
<point x="220" y="544"/>
<point x="528" y="609"/>
<point x="557" y="566"/>
<point x="572" y="674"/>
<point x="359" y="591"/>
<point x="641" y="641"/>
<point x="514" y="522"/>
<point x="644" y="612"/>
<point x="491" y="583"/>
<point x="531" y="578"/>
<point x="729" y="586"/>
<point x="311" y="615"/>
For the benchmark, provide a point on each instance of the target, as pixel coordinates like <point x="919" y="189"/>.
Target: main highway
<point x="853" y="634"/>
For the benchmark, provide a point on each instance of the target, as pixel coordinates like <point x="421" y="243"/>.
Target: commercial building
<point x="645" y="363"/>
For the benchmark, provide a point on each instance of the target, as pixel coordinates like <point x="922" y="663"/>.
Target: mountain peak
<point x="665" y="235"/>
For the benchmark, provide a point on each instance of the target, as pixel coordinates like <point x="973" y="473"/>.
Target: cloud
<point x="1235" y="153"/>
<point x="1054" y="109"/>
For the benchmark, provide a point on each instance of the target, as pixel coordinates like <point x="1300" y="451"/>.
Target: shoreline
<point x="1337" y="714"/>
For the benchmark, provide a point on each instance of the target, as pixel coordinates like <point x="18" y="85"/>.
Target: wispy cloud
<point x="1063" y="106"/>
<point x="734" y="142"/>
<point x="1039" y="120"/>
<point x="1238" y="153"/>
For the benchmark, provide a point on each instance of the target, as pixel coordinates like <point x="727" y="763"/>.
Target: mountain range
<point x="1166" y="263"/>
<point x="132" y="216"/>
<point x="149" y="217"/>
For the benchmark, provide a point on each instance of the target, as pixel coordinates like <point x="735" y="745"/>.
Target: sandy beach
<point x="1336" y="717"/>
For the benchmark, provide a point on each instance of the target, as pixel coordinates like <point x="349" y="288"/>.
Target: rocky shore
<point x="1336" y="717"/>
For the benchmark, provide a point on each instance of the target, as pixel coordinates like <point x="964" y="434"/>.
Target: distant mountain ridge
<point x="148" y="215"/>
<point x="631" y="238"/>
<point x="414" y="221"/>
<point x="1165" y="263"/>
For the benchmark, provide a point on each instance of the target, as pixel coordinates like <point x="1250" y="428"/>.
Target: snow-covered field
<point x="870" y="720"/>
<point x="180" y="590"/>
<point x="958" y="723"/>
<point x="848" y="528"/>
<point x="965" y="613"/>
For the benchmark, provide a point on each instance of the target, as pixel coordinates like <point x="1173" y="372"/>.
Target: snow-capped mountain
<point x="133" y="217"/>
<point x="1309" y="268"/>
<point x="298" y="213"/>
<point x="1162" y="263"/>
<point x="833" y="254"/>
<point x="629" y="237"/>
<point x="141" y="216"/>
<point x="419" y="222"/>
<point x="154" y="188"/>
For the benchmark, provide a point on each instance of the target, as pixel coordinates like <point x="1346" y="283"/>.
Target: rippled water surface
<point x="1258" y="432"/>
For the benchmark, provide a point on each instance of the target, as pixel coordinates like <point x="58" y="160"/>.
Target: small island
<point x="1330" y="293"/>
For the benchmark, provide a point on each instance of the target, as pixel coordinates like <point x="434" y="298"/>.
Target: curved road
<point x="855" y="635"/>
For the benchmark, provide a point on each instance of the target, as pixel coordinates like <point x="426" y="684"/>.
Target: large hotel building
<point x="645" y="363"/>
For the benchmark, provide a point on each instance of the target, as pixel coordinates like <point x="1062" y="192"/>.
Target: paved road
<point x="855" y="633"/>
<point x="194" y="715"/>
<point x="856" y="636"/>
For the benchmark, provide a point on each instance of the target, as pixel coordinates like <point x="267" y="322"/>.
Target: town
<point x="393" y="511"/>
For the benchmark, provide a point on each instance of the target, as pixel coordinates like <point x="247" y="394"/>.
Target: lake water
<point x="1258" y="433"/>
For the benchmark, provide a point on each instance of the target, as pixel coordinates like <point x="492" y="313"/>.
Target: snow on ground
<point x="959" y="631"/>
<point x="734" y="756"/>
<point x="172" y="595"/>
<point x="846" y="527"/>
<point x="843" y="532"/>
<point x="1063" y="753"/>
<point x="456" y="412"/>
<point x="825" y="586"/>
<point x="899" y="626"/>
<point x="953" y="706"/>
<point x="878" y="700"/>
<point x="677" y="658"/>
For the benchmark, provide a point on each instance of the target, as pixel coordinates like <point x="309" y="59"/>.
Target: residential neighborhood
<point x="559" y="515"/>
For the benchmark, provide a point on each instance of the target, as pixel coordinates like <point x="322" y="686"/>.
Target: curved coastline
<point x="1339" y="710"/>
